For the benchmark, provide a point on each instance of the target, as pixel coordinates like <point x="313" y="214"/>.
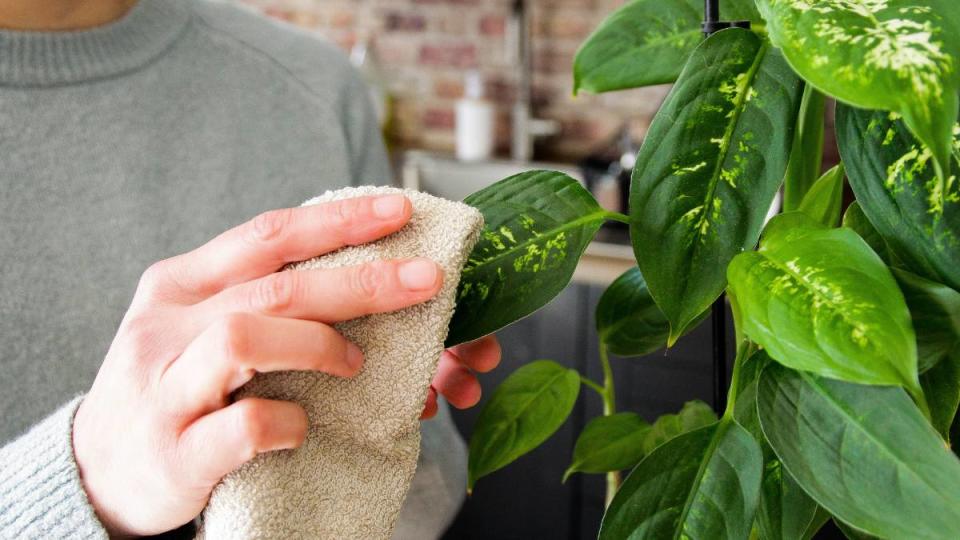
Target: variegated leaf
<point x="897" y="55"/>
<point x="536" y="226"/>
<point x="821" y="300"/>
<point x="892" y="175"/>
<point x="709" y="168"/>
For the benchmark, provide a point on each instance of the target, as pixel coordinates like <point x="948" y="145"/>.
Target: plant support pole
<point x="718" y="311"/>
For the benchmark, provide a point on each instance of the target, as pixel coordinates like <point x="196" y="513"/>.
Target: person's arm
<point x="41" y="494"/>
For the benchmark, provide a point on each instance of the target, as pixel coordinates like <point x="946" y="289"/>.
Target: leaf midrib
<point x="718" y="434"/>
<point x="597" y="215"/>
<point x="512" y="419"/>
<point x="828" y="396"/>
<point x="832" y="305"/>
<point x="738" y="108"/>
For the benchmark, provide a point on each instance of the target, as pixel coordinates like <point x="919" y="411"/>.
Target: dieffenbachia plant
<point x="846" y="383"/>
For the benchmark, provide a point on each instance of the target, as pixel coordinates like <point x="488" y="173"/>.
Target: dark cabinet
<point x="526" y="500"/>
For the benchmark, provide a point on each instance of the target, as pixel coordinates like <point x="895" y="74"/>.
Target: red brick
<point x="462" y="55"/>
<point x="552" y="61"/>
<point x="436" y="118"/>
<point x="448" y="88"/>
<point x="341" y="18"/>
<point x="403" y="22"/>
<point x="493" y="25"/>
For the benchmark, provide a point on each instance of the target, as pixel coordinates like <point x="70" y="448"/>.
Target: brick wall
<point x="425" y="46"/>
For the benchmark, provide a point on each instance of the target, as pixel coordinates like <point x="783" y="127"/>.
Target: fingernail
<point x="418" y="274"/>
<point x="354" y="356"/>
<point x="389" y="206"/>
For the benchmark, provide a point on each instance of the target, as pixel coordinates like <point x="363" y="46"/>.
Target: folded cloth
<point x="351" y="475"/>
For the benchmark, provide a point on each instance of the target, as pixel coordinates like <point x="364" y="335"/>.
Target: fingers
<point x="332" y="295"/>
<point x="232" y="350"/>
<point x="430" y="407"/>
<point x="456" y="382"/>
<point x="267" y="242"/>
<point x="482" y="355"/>
<point x="219" y="442"/>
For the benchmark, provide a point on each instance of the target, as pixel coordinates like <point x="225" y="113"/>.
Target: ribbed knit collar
<point x="57" y="58"/>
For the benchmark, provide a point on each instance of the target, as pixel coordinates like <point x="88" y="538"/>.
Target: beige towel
<point x="350" y="477"/>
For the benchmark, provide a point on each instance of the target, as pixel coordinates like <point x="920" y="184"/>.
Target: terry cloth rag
<point x="350" y="477"/>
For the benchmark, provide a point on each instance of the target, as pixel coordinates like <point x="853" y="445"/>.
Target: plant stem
<point x="609" y="408"/>
<point x="745" y="348"/>
<point x="609" y="396"/>
<point x="594" y="386"/>
<point x="617" y="216"/>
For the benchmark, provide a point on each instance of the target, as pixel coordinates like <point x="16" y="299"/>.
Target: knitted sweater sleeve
<point x="40" y="491"/>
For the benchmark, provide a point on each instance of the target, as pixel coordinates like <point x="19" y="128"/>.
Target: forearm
<point x="41" y="495"/>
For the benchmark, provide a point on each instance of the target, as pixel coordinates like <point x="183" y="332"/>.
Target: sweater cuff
<point x="41" y="495"/>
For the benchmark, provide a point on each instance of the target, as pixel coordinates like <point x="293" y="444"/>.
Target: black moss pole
<point x="718" y="312"/>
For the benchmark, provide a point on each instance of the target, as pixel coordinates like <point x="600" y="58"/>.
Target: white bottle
<point x="475" y="121"/>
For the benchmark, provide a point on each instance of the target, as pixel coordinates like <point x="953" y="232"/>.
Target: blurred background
<point x="424" y="48"/>
<point x="471" y="91"/>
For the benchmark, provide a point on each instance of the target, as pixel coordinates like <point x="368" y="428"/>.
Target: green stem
<point x="596" y="387"/>
<point x="617" y="216"/>
<point x="745" y="349"/>
<point x="609" y="397"/>
<point x="609" y="408"/>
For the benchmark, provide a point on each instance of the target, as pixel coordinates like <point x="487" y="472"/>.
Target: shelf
<point x="603" y="262"/>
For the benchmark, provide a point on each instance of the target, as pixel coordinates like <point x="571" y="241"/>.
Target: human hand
<point x="158" y="430"/>
<point x="455" y="379"/>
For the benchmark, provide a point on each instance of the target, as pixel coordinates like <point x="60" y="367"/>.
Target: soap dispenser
<point x="474" y="121"/>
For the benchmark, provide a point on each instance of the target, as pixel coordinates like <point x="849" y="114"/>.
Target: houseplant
<point x="846" y="381"/>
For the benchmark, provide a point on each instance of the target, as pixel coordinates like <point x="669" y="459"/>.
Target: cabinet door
<point x="526" y="499"/>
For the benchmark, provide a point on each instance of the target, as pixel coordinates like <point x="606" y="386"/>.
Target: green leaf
<point x="628" y="320"/>
<point x="864" y="453"/>
<point x="609" y="443"/>
<point x="941" y="384"/>
<point x="806" y="155"/>
<point x="855" y="220"/>
<point x="708" y="169"/>
<point x="786" y="512"/>
<point x="537" y="225"/>
<point x="644" y="42"/>
<point x="822" y="201"/>
<point x="894" y="55"/>
<point x="694" y="415"/>
<point x="852" y="533"/>
<point x="528" y="407"/>
<point x="935" y="311"/>
<point x="701" y="485"/>
<point x="890" y="173"/>
<point x="821" y="300"/>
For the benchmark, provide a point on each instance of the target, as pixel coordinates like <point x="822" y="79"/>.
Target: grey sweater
<point x="134" y="142"/>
